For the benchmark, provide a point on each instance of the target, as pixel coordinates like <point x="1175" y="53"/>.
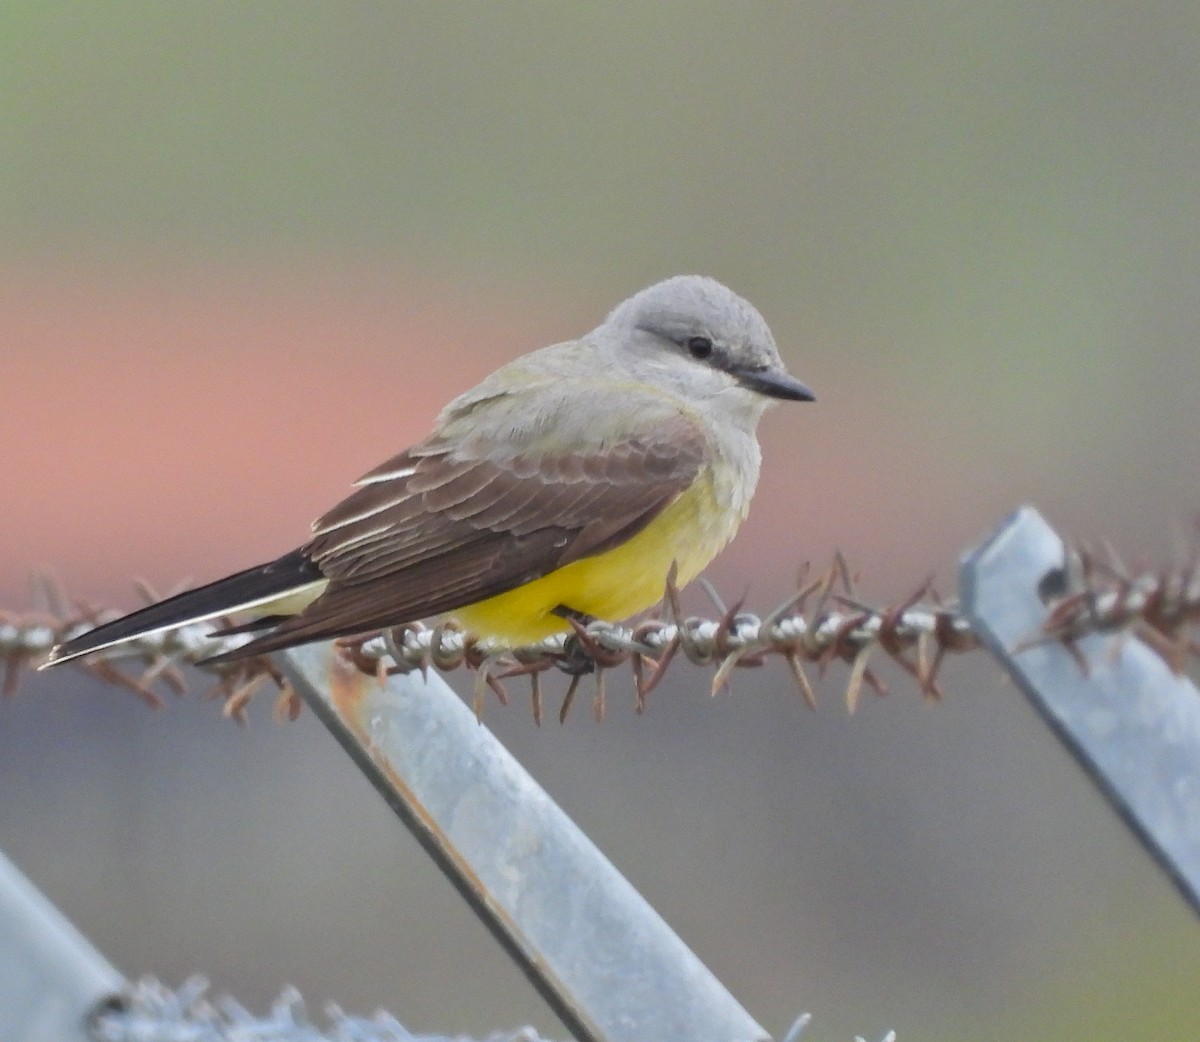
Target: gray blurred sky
<point x="975" y="231"/>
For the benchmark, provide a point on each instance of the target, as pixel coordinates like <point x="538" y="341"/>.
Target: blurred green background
<point x="247" y="252"/>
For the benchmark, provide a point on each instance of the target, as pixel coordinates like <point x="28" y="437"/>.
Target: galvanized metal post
<point x="51" y="978"/>
<point x="603" y="959"/>
<point x="1131" y="723"/>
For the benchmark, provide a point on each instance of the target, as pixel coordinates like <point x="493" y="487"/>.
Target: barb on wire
<point x="825" y="621"/>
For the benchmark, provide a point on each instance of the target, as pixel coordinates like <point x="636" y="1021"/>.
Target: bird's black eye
<point x="700" y="346"/>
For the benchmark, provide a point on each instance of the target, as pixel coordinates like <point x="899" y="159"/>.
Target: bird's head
<point x="701" y="339"/>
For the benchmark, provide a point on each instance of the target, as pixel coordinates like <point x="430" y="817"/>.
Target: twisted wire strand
<point x="150" y="1011"/>
<point x="825" y="621"/>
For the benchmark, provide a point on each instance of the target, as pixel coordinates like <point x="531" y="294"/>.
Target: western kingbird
<point x="562" y="487"/>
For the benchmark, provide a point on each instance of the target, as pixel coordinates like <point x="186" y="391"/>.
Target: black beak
<point x="775" y="383"/>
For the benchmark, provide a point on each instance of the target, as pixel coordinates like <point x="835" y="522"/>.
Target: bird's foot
<point x="577" y="660"/>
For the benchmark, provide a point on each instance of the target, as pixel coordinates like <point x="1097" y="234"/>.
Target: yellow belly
<point x="617" y="583"/>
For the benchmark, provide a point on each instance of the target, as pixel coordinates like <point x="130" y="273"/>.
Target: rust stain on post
<point x="347" y="689"/>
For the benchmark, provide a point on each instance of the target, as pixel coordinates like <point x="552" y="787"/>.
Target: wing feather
<point x="435" y="528"/>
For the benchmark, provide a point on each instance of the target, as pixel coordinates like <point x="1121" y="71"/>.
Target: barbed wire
<point x="151" y="1012"/>
<point x="825" y="621"/>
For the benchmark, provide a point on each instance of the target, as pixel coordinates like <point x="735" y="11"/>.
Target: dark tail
<point x="237" y="592"/>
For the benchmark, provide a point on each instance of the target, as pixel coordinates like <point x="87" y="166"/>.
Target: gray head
<point x="722" y="338"/>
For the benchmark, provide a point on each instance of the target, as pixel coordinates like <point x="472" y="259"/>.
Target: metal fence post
<point x="51" y="978"/>
<point x="1130" y="722"/>
<point x="603" y="959"/>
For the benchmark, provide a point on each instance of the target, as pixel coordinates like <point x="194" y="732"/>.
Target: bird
<point x="565" y="487"/>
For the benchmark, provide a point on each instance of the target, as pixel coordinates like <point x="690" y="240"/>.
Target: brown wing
<point x="429" y="532"/>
